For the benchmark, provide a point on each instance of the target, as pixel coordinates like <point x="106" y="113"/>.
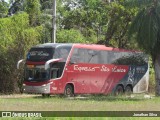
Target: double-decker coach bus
<point x="69" y="69"/>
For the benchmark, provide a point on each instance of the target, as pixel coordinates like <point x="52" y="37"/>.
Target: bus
<point x="71" y="69"/>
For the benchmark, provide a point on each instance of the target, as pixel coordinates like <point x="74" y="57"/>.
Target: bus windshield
<point x="40" y="54"/>
<point x="36" y="74"/>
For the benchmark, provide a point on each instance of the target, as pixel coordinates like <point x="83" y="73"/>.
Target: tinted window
<point x="107" y="57"/>
<point x="36" y="74"/>
<point x="123" y="58"/>
<point x="62" y="52"/>
<point x="40" y="54"/>
<point x="93" y="56"/>
<point x="78" y="56"/>
<point x="131" y="59"/>
<point x="85" y="56"/>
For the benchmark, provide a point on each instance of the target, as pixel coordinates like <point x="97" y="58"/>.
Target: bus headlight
<point x="24" y="84"/>
<point x="51" y="83"/>
<point x="44" y="85"/>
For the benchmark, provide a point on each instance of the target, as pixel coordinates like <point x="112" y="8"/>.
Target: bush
<point x="16" y="37"/>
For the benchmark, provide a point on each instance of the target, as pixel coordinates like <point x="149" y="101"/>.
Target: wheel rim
<point x="68" y="91"/>
<point x="128" y="90"/>
<point x="119" y="90"/>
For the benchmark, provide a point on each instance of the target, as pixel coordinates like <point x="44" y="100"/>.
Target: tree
<point x="119" y="19"/>
<point x="3" y="8"/>
<point x="87" y="16"/>
<point x="16" y="38"/>
<point x="32" y="7"/>
<point x="46" y="19"/>
<point x="146" y="29"/>
<point x="15" y="6"/>
<point x="70" y="36"/>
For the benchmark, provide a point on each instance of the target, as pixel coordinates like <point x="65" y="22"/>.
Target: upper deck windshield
<point x="40" y="54"/>
<point x="45" y="54"/>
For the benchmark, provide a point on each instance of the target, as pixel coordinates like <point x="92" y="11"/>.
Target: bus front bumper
<point x="36" y="89"/>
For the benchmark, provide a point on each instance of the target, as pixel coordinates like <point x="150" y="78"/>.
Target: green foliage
<point x="16" y="37"/>
<point x="3" y="9"/>
<point x="137" y="3"/>
<point x="146" y="29"/>
<point x="119" y="21"/>
<point x="15" y="29"/>
<point x="87" y="16"/>
<point x="32" y="7"/>
<point x="70" y="36"/>
<point x="97" y="20"/>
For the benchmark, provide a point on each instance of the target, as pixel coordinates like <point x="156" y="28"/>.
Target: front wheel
<point x="69" y="91"/>
<point x="118" y="90"/>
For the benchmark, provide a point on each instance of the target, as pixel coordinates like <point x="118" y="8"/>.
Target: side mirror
<point x="20" y="61"/>
<point x="51" y="61"/>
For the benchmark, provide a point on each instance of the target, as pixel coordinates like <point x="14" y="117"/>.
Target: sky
<point x="6" y="0"/>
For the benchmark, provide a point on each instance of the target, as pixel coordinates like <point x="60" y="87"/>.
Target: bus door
<point x="71" y="76"/>
<point x="77" y="71"/>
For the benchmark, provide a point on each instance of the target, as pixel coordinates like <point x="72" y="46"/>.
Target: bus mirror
<point x="19" y="63"/>
<point x="51" y="61"/>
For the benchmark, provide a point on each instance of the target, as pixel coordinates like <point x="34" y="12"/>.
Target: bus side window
<point x="81" y="53"/>
<point x="55" y="73"/>
<point x="105" y="56"/>
<point x="64" y="54"/>
<point x="93" y="56"/>
<point x="75" y="56"/>
<point x="78" y="56"/>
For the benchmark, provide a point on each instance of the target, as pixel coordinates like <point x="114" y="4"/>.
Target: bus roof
<point x="52" y="45"/>
<point x="102" y="47"/>
<point x="79" y="45"/>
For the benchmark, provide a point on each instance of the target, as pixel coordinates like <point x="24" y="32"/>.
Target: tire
<point x="119" y="90"/>
<point x="69" y="92"/>
<point x="128" y="90"/>
<point x="45" y="95"/>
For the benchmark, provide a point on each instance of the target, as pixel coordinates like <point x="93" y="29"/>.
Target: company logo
<point x="102" y="68"/>
<point x="21" y="114"/>
<point x="6" y="114"/>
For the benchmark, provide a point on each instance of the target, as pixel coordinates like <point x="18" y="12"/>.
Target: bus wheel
<point x="45" y="95"/>
<point x="119" y="90"/>
<point x="69" y="92"/>
<point x="128" y="90"/>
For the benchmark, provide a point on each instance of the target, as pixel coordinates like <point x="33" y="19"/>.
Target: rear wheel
<point x="128" y="90"/>
<point x="119" y="90"/>
<point x="69" y="91"/>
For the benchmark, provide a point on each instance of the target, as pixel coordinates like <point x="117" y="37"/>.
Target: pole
<point x="54" y="23"/>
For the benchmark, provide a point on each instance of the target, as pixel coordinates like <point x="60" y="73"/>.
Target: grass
<point x="87" y="103"/>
